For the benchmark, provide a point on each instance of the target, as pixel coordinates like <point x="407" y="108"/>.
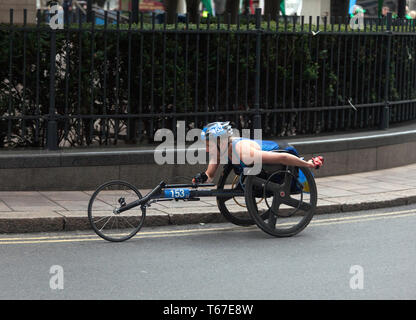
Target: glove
<point x="200" y="178"/>
<point x="318" y="161"/>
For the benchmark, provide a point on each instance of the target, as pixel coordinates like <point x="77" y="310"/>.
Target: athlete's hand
<point x="317" y="162"/>
<point x="200" y="178"/>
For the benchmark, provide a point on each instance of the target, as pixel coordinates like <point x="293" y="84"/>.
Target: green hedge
<point x="308" y="71"/>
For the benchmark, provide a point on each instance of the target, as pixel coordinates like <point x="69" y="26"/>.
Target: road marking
<point x="119" y="234"/>
<point x="49" y="241"/>
<point x="187" y="232"/>
<point x="209" y="229"/>
<point x="365" y="219"/>
<point x="366" y="216"/>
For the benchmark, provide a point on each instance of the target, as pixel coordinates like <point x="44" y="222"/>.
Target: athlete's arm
<point x="213" y="164"/>
<point x="249" y="153"/>
<point x="211" y="170"/>
<point x="286" y="159"/>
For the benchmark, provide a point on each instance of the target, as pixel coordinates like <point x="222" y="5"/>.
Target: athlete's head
<point x="216" y="133"/>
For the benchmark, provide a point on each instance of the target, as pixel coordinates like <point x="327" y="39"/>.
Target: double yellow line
<point x="187" y="232"/>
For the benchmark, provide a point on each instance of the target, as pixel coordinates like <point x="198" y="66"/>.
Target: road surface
<point x="360" y="255"/>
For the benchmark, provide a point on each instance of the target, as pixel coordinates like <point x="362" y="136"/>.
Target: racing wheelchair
<point x="280" y="200"/>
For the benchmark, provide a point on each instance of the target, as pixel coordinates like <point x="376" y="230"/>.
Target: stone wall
<point x="85" y="169"/>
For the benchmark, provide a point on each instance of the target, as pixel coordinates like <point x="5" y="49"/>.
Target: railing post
<point x="52" y="137"/>
<point x="65" y="6"/>
<point x="385" y="115"/>
<point x="135" y="11"/>
<point x="89" y="10"/>
<point x="257" y="114"/>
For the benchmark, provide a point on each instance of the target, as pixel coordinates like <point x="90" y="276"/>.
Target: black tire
<point x="109" y="225"/>
<point x="236" y="214"/>
<point x="282" y="193"/>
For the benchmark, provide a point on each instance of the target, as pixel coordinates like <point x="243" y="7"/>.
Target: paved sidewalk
<point x="38" y="211"/>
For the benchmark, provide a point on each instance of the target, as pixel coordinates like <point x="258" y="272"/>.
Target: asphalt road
<point x="360" y="255"/>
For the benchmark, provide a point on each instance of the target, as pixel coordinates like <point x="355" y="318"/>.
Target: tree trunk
<point x="171" y="9"/>
<point x="192" y="8"/>
<point x="232" y="7"/>
<point x="271" y="7"/>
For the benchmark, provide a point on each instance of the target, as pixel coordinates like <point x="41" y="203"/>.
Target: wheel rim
<point x="233" y="208"/>
<point x="233" y="185"/>
<point x="103" y="215"/>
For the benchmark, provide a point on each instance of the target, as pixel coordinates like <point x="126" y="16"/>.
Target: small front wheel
<point x="103" y="216"/>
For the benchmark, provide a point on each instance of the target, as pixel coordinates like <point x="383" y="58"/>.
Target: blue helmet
<point x="216" y="129"/>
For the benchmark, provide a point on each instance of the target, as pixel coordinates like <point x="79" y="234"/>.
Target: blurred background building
<point x="300" y="7"/>
<point x="18" y="6"/>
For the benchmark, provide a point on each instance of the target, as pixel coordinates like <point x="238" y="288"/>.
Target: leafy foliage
<point x="161" y="75"/>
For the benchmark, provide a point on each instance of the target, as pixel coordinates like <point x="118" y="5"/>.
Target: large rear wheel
<point x="291" y="203"/>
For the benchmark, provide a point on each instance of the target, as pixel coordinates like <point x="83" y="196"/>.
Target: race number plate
<point x="177" y="193"/>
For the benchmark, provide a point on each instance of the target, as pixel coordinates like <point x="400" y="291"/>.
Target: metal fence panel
<point x="87" y="85"/>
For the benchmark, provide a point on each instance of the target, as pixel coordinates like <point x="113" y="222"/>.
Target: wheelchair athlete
<point x="219" y="142"/>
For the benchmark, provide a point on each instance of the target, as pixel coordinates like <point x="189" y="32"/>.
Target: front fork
<point x="139" y="202"/>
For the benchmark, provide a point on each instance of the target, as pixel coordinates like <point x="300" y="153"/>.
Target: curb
<point x="59" y="222"/>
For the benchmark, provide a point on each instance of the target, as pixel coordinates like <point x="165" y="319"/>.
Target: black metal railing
<point x="87" y="85"/>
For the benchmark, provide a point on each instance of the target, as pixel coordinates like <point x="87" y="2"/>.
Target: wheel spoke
<point x="288" y="180"/>
<point x="106" y="223"/>
<point x="102" y="218"/>
<point x="114" y="221"/>
<point x="124" y="218"/>
<point x="297" y="204"/>
<point x="276" y="204"/>
<point x="271" y="186"/>
<point x="273" y="211"/>
<point x="271" y="222"/>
